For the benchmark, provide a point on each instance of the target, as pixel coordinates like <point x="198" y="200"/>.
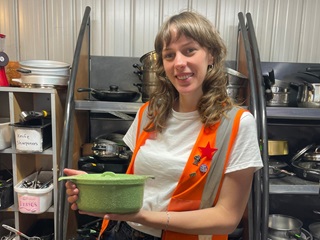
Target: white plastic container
<point x="35" y="201"/>
<point x="5" y="133"/>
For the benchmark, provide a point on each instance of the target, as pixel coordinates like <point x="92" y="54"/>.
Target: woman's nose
<point x="180" y="61"/>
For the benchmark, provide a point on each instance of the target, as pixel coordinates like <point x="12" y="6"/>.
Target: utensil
<point x="36" y="178"/>
<point x="109" y="192"/>
<point x="18" y="233"/>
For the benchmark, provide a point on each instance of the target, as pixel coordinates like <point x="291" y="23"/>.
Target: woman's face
<point x="185" y="63"/>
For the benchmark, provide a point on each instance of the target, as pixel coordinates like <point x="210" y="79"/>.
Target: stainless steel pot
<point x="237" y="86"/>
<point x="44" y="73"/>
<point x="308" y="94"/>
<point x="280" y="97"/>
<point x="314" y="229"/>
<point x="149" y="60"/>
<point x="147" y="74"/>
<point x="284" y="227"/>
<point x="105" y="148"/>
<point x="45" y="67"/>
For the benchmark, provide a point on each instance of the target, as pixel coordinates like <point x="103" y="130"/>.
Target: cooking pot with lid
<point x="109" y="192"/>
<point x="44" y="73"/>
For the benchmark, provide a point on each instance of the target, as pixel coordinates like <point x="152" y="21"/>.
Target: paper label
<point x="30" y="204"/>
<point x="28" y="139"/>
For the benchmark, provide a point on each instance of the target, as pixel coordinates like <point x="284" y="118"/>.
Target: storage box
<point x="5" y="133"/>
<point x="6" y="189"/>
<point x="32" y="138"/>
<point x="35" y="200"/>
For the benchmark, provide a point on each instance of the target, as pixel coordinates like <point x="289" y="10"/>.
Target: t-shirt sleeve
<point x="245" y="152"/>
<point x="130" y="136"/>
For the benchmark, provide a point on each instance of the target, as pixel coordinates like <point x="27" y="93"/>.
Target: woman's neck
<point x="184" y="104"/>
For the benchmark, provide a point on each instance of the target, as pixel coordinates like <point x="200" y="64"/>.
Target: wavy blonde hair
<point x="215" y="100"/>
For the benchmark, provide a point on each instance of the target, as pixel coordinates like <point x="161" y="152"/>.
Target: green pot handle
<point x="109" y="174"/>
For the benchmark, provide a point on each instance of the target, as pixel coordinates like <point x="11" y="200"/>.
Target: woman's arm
<point x="220" y="219"/>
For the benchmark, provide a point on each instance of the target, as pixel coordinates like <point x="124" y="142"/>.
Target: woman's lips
<point x="184" y="76"/>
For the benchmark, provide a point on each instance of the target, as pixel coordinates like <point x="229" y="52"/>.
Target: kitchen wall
<point x="287" y="30"/>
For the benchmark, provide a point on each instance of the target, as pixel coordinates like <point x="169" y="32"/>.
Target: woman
<point x="202" y="150"/>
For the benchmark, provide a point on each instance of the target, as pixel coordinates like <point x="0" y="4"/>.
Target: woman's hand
<point x="71" y="188"/>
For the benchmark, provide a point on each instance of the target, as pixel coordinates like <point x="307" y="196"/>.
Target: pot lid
<point x="46" y="64"/>
<point x="308" y="166"/>
<point x="235" y="73"/>
<point x="301" y="152"/>
<point x="107" y="178"/>
<point x="312" y="156"/>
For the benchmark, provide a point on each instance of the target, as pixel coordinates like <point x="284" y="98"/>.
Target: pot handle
<point x="137" y="66"/>
<point x="294" y="235"/>
<point x="139" y="86"/>
<point x="108" y="174"/>
<point x="22" y="70"/>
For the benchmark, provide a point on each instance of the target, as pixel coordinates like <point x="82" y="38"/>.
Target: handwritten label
<point x="29" y="204"/>
<point x="28" y="139"/>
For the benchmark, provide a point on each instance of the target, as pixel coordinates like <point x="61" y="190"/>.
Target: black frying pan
<point x="112" y="94"/>
<point x="306" y="170"/>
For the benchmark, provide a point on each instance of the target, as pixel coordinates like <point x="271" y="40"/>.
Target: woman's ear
<point x="211" y="59"/>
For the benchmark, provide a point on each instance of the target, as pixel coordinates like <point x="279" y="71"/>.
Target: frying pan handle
<point x="85" y="90"/>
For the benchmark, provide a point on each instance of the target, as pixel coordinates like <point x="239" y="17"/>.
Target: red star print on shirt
<point x="207" y="151"/>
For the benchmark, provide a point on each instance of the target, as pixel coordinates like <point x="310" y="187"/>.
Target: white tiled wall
<point x="287" y="30"/>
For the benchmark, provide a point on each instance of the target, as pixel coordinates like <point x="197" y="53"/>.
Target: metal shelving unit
<point x="103" y="106"/>
<point x="293" y="113"/>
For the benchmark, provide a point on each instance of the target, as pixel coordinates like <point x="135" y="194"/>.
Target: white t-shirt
<point x="165" y="157"/>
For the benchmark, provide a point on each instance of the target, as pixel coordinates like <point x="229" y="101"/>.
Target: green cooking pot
<point x="109" y="192"/>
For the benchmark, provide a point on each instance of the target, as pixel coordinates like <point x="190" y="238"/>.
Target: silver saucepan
<point x="284" y="227"/>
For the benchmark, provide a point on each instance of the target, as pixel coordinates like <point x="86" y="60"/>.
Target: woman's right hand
<point x="71" y="188"/>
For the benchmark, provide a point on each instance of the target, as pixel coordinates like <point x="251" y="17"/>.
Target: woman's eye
<point x="168" y="56"/>
<point x="190" y="50"/>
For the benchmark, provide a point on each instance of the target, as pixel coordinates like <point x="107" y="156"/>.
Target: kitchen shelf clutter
<point x="27" y="161"/>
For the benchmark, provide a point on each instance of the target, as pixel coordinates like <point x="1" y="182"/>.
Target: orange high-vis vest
<point x="200" y="183"/>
